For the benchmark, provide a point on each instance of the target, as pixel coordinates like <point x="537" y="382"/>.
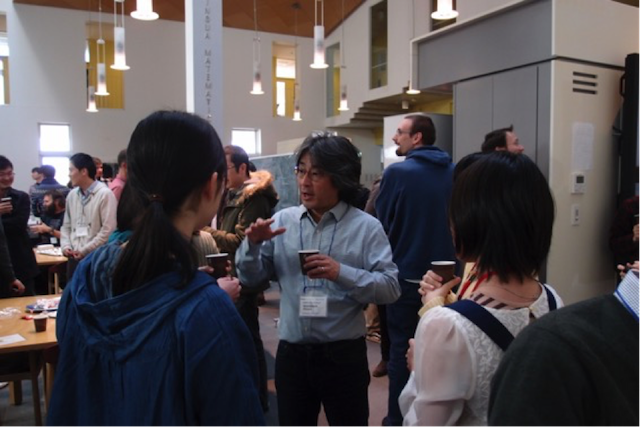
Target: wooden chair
<point x="15" y="383"/>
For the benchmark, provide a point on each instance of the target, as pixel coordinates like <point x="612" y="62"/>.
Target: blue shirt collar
<point x="338" y="211"/>
<point x="628" y="293"/>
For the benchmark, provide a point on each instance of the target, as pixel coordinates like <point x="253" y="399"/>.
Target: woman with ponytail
<point x="145" y="338"/>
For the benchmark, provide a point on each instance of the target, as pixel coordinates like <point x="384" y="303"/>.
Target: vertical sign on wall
<point x="203" y="27"/>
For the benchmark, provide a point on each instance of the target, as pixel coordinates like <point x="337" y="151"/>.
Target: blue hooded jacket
<point x="156" y="355"/>
<point x="412" y="206"/>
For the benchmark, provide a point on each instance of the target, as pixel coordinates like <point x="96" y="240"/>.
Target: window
<point x="55" y="148"/>
<point x="284" y="79"/>
<point x="333" y="79"/>
<point x="4" y="61"/>
<point x="248" y="139"/>
<point x="378" y="75"/>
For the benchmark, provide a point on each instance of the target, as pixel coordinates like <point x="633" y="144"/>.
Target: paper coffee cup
<point x="219" y="264"/>
<point x="40" y="321"/>
<point x="303" y="258"/>
<point x="444" y="269"/>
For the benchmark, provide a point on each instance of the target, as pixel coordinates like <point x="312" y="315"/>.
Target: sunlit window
<point x="248" y="139"/>
<point x="284" y="79"/>
<point x="4" y="62"/>
<point x="54" y="138"/>
<point x="55" y="148"/>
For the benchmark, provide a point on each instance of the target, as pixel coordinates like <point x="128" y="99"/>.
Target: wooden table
<point x="50" y="261"/>
<point x="34" y="342"/>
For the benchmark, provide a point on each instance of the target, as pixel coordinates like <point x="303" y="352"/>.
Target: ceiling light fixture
<point x="318" y="37"/>
<point x="344" y="106"/>
<point x="144" y="11"/>
<point x="296" y="88"/>
<point x="119" y="54"/>
<point x="444" y="10"/>
<point x="410" y="89"/>
<point x="257" y="76"/>
<point x="91" y="100"/>
<point x="101" y="54"/>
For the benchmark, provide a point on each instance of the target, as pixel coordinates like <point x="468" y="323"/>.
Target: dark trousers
<point x="247" y="306"/>
<point x="334" y="374"/>
<point x="402" y="320"/>
<point x="72" y="264"/>
<point x="385" y="344"/>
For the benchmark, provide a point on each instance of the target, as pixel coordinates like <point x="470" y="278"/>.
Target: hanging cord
<point x="343" y="61"/>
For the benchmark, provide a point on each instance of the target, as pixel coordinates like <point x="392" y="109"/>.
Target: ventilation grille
<point x="585" y="83"/>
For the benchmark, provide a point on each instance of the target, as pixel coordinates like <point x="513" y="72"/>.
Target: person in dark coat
<point x="14" y="211"/>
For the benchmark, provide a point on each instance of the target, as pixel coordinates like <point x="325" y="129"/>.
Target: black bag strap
<point x="487" y="322"/>
<point x="550" y="298"/>
<point x="484" y="320"/>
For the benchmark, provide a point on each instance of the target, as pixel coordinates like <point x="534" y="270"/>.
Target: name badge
<point x="313" y="306"/>
<point x="53" y="240"/>
<point x="82" y="231"/>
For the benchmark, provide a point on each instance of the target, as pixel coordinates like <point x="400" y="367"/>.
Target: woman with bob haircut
<point x="501" y="216"/>
<point x="145" y="338"/>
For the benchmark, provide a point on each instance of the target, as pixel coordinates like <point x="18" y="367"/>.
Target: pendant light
<point x="87" y="51"/>
<point x="410" y="89"/>
<point x="444" y="10"/>
<point x="296" y="87"/>
<point x="144" y="11"/>
<point x="343" y="66"/>
<point x="318" y="37"/>
<point x="257" y="76"/>
<point x="91" y="100"/>
<point x="100" y="48"/>
<point x="119" y="55"/>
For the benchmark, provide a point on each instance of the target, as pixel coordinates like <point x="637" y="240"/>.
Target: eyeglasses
<point x="314" y="174"/>
<point x="400" y="132"/>
<point x="7" y="174"/>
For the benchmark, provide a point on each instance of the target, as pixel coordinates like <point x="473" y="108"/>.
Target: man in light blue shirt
<point x="322" y="354"/>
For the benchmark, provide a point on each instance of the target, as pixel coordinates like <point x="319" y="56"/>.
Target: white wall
<point x="242" y="109"/>
<point x="580" y="262"/>
<point x="47" y="77"/>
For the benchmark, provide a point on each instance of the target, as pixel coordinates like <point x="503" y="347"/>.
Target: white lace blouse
<point x="454" y="362"/>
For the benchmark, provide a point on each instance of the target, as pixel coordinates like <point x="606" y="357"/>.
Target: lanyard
<point x="333" y="236"/>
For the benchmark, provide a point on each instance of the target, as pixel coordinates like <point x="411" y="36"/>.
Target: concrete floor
<point x="22" y="415"/>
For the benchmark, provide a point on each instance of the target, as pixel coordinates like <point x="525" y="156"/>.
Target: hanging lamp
<point x="318" y="37"/>
<point x="119" y="54"/>
<point x="410" y="89"/>
<point x="144" y="11"/>
<point x="257" y="76"/>
<point x="91" y="100"/>
<point x="344" y="106"/>
<point x="101" y="54"/>
<point x="296" y="87"/>
<point x="444" y="10"/>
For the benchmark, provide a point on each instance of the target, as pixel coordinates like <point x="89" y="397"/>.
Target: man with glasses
<point x="412" y="207"/>
<point x="322" y="353"/>
<point x="14" y="211"/>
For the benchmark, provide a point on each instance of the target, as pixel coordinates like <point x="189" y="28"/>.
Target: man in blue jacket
<point x="412" y="207"/>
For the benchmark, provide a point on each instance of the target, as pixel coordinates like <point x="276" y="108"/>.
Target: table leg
<point x="15" y="392"/>
<point x="34" y="367"/>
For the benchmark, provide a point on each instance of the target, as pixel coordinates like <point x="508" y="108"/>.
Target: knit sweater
<point x="98" y="214"/>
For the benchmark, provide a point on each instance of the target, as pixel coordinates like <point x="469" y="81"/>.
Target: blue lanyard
<point x="333" y="236"/>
